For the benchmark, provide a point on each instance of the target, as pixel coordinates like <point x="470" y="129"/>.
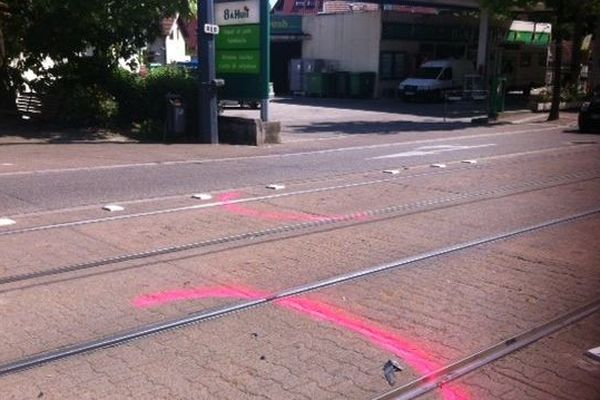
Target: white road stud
<point x="438" y="165"/>
<point x="6" y="222"/>
<point x="113" y="207"/>
<point x="202" y="196"/>
<point x="275" y="187"/>
<point x="7" y="164"/>
<point x="594" y="353"/>
<point x="469" y="161"/>
<point x="391" y="171"/>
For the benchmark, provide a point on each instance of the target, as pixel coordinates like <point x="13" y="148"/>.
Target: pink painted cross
<point x="409" y="351"/>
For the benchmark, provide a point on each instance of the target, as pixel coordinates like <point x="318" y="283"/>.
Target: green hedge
<point x="119" y="98"/>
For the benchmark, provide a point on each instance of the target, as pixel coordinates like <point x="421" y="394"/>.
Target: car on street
<point x="432" y="79"/>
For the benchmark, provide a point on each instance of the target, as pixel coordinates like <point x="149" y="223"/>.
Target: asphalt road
<point x="55" y="188"/>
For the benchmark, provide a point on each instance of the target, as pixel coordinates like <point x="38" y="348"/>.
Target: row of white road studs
<point x="207" y="196"/>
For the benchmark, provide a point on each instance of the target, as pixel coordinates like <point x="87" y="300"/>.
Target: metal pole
<point x="264" y="110"/>
<point x="207" y="112"/>
<point x="265" y="27"/>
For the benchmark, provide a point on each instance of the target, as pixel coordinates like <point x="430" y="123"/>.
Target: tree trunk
<point x="594" y="72"/>
<point x="556" y="75"/>
<point x="578" y="34"/>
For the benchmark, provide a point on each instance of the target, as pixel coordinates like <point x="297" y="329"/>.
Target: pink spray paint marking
<point x="407" y="350"/>
<point x="229" y="204"/>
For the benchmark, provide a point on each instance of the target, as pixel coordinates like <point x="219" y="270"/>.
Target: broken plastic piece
<point x="391" y="171"/>
<point x="389" y="371"/>
<point x="594" y="353"/>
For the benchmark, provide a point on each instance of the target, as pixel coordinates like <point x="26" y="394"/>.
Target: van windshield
<point x="427" y="72"/>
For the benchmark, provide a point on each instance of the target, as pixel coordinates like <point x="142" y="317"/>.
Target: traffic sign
<point x="211" y="29"/>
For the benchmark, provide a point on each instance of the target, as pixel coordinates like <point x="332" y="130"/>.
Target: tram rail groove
<point x="470" y="363"/>
<point x="428" y="205"/>
<point x="203" y="316"/>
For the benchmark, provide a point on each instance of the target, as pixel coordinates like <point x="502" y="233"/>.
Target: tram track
<point x="203" y="315"/>
<point x="543" y="153"/>
<point x="315" y="226"/>
<point x="221" y="203"/>
<point x="483" y="357"/>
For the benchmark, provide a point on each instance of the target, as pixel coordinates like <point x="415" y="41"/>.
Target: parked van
<point x="433" y="78"/>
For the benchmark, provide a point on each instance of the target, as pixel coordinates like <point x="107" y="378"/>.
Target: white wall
<point x="352" y="39"/>
<point x="175" y="45"/>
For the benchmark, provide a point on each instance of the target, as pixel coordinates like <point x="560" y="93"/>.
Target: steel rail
<point x="427" y="205"/>
<point x="222" y="203"/>
<point x="272" y="196"/>
<point x="442" y="376"/>
<point x="144" y="331"/>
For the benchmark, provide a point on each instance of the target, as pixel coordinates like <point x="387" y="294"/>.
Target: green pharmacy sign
<point x="239" y="62"/>
<point x="242" y="49"/>
<point x="239" y="37"/>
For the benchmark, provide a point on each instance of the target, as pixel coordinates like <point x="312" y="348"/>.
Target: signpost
<point x="208" y="84"/>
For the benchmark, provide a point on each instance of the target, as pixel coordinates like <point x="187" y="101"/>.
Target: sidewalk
<point x="31" y="132"/>
<point x="304" y="119"/>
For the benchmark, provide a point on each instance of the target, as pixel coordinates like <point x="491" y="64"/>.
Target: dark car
<point x="589" y="114"/>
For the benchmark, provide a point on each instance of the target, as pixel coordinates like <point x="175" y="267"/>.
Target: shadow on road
<point x="378" y="128"/>
<point x="387" y="105"/>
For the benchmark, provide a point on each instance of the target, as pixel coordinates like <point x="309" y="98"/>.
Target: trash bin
<point x="362" y="84"/>
<point x="320" y="84"/>
<point x="342" y="81"/>
<point x="497" y="95"/>
<point x="175" y="115"/>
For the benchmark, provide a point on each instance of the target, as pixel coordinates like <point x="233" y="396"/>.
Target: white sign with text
<point x="237" y="12"/>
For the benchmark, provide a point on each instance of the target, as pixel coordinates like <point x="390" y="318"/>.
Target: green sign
<point x="286" y="24"/>
<point x="537" y="38"/>
<point x="242" y="49"/>
<point x="238" y="62"/>
<point x="233" y="37"/>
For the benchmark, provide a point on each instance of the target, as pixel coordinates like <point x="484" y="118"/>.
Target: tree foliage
<point x="570" y="19"/>
<point x="63" y="29"/>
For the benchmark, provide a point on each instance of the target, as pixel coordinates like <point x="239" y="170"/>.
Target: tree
<point x="64" y="29"/>
<point x="566" y="17"/>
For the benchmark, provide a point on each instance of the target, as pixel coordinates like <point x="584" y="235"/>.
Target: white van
<point x="433" y="78"/>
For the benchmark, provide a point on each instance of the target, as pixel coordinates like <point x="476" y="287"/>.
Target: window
<point x="427" y="73"/>
<point x="392" y="65"/>
<point x="447" y="74"/>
